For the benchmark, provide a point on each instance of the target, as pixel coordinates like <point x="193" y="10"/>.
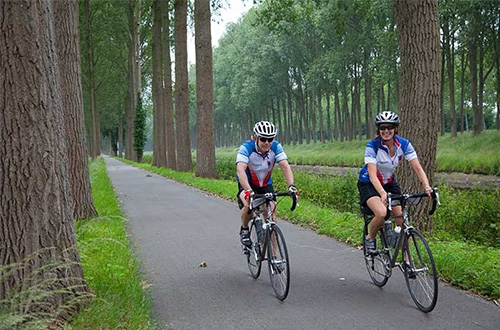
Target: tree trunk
<point x="159" y="113"/>
<point x="205" y="151"/>
<point x="420" y="84"/>
<point x="441" y="100"/>
<point x="330" y="134"/>
<point x="368" y="96"/>
<point x="120" y="136"/>
<point x="462" y="90"/>
<point x="184" y="159"/>
<point x="450" y="65"/>
<point x="134" y="85"/>
<point x="168" y="104"/>
<point x="95" y="141"/>
<point x="37" y="232"/>
<point x="68" y="49"/>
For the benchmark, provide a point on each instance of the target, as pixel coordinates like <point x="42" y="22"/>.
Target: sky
<point x="232" y="10"/>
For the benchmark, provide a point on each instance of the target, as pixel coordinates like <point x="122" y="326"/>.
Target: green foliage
<point x="139" y="128"/>
<point x="111" y="271"/>
<point x="473" y="215"/>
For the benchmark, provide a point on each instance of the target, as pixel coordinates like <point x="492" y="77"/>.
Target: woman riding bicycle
<point x="377" y="178"/>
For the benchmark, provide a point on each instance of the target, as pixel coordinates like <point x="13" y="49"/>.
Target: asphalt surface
<point x="175" y="228"/>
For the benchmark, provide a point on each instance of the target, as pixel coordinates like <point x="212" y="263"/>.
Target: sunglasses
<point x="263" y="139"/>
<point x="388" y="127"/>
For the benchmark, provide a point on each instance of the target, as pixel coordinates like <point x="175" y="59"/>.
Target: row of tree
<point x="113" y="78"/>
<point x="322" y="69"/>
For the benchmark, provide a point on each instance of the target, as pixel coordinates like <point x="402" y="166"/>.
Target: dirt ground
<point x="454" y="179"/>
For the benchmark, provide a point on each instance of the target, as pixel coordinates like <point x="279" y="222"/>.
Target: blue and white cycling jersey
<point x="260" y="166"/>
<point x="377" y="153"/>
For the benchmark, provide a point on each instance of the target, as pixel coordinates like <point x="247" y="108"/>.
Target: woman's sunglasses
<point x="388" y="127"/>
<point x="263" y="139"/>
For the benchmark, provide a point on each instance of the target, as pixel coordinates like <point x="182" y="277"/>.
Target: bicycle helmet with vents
<point x="264" y="129"/>
<point x="387" y="117"/>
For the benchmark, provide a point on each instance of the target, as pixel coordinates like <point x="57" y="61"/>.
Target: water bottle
<point x="397" y="231"/>
<point x="388" y="232"/>
<point x="258" y="227"/>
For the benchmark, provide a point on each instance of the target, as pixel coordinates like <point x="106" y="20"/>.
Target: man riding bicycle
<point x="254" y="165"/>
<point x="377" y="178"/>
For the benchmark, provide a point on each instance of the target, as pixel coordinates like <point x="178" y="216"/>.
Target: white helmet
<point x="387" y="117"/>
<point x="264" y="129"/>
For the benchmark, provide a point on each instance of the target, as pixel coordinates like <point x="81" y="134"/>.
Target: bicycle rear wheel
<point x="278" y="263"/>
<point x="253" y="257"/>
<point x="378" y="264"/>
<point x="420" y="271"/>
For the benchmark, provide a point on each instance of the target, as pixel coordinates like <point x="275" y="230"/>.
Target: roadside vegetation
<point x="465" y="153"/>
<point x="121" y="300"/>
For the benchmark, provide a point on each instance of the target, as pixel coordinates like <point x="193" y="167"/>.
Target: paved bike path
<point x="175" y="228"/>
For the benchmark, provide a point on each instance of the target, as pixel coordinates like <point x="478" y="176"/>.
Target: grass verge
<point x="464" y="264"/>
<point x="109" y="267"/>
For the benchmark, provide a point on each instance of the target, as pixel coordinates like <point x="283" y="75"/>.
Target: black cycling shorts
<point x="257" y="190"/>
<point x="367" y="190"/>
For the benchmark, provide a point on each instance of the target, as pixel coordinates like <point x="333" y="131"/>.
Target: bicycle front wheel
<point x="420" y="271"/>
<point x="278" y="263"/>
<point x="253" y="255"/>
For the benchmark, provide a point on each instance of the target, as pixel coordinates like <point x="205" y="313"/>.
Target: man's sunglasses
<point x="388" y="127"/>
<point x="263" y="139"/>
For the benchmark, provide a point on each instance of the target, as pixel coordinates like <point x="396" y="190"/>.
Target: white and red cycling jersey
<point x="260" y="166"/>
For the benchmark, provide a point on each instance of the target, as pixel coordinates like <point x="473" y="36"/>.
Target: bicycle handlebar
<point x="435" y="198"/>
<point x="270" y="196"/>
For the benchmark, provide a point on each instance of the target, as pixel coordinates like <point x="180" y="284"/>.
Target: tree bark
<point x="418" y="30"/>
<point x="169" y="129"/>
<point x="184" y="159"/>
<point x="450" y="66"/>
<point x="37" y="232"/>
<point x="159" y="135"/>
<point x="205" y="151"/>
<point x="68" y="49"/>
<point x="95" y="140"/>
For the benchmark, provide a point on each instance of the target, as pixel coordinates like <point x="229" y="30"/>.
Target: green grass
<point x="465" y="153"/>
<point x="121" y="299"/>
<point x="465" y="264"/>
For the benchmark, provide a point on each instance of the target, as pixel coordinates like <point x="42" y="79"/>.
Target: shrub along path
<point x="176" y="228"/>
<point x="454" y="179"/>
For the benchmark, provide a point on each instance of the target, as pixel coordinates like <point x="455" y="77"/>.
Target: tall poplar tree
<point x="418" y="30"/>
<point x="184" y="159"/>
<point x="205" y="137"/>
<point x="68" y="49"/>
<point x="37" y="232"/>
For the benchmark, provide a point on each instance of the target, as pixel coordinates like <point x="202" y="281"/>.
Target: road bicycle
<point x="268" y="242"/>
<point x="416" y="261"/>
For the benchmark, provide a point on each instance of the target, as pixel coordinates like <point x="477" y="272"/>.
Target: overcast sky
<point x="232" y="10"/>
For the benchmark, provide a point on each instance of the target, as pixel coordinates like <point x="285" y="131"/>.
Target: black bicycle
<point x="268" y="243"/>
<point x="416" y="261"/>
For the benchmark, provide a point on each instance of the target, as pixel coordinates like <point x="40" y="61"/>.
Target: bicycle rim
<point x="278" y="263"/>
<point x="420" y="271"/>
<point x="253" y="257"/>
<point x="378" y="265"/>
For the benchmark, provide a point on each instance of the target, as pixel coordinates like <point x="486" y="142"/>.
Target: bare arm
<point x="372" y="173"/>
<point x="415" y="165"/>
<point x="287" y="171"/>
<point x="242" y="175"/>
